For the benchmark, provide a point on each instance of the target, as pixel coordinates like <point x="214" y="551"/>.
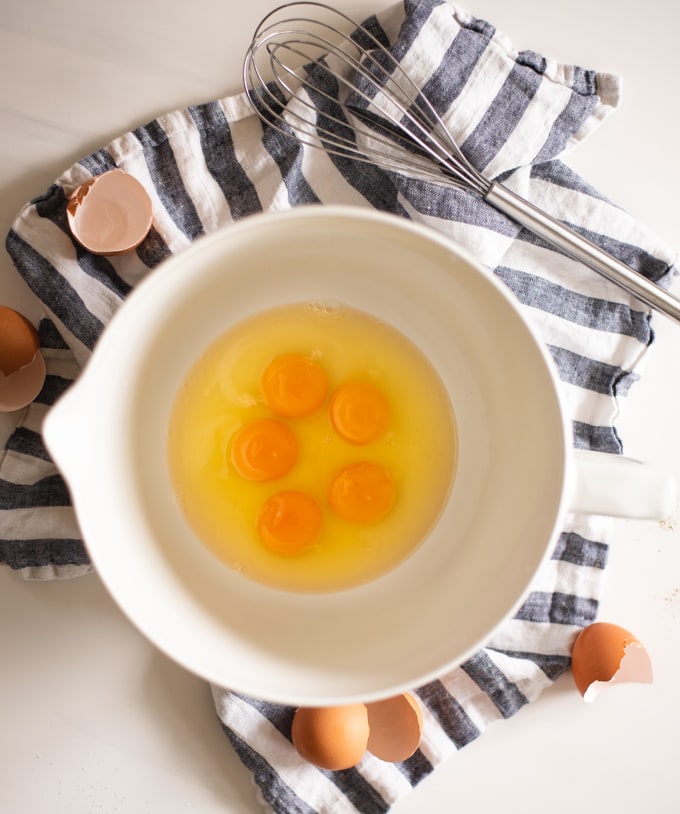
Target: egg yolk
<point x="289" y="522"/>
<point x="362" y="492"/>
<point x="263" y="450"/>
<point x="359" y="412"/>
<point x="294" y="386"/>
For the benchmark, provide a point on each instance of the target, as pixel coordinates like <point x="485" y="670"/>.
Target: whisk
<point x="346" y="93"/>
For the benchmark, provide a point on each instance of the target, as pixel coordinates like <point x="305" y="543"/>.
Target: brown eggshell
<point x="331" y="738"/>
<point x="110" y="214"/>
<point x="18" y="341"/>
<point x="396" y="726"/>
<point x="22" y="367"/>
<point x="605" y="654"/>
<point x="21" y="387"/>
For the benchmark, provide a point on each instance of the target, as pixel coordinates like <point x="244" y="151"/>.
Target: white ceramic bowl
<point x="108" y="436"/>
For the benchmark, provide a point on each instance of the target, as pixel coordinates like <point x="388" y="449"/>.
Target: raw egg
<point x="337" y="738"/>
<point x="362" y="492"/>
<point x="289" y="522"/>
<point x="264" y="450"/>
<point x="359" y="412"/>
<point x="312" y="448"/>
<point x="110" y="214"/>
<point x="294" y="385"/>
<point x="22" y="367"/>
<point x="605" y="654"/>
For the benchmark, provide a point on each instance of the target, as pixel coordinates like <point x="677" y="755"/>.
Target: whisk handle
<point x="583" y="250"/>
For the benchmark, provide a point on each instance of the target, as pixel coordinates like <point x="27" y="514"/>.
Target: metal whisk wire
<point x="376" y="114"/>
<point x="351" y="97"/>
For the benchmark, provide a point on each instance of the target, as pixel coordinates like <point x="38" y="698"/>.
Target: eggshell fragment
<point x="331" y="738"/>
<point x="396" y="726"/>
<point x="22" y="367"/>
<point x="110" y="214"/>
<point x="605" y="654"/>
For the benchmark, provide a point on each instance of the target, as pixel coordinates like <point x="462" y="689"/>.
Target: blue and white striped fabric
<point x="514" y="114"/>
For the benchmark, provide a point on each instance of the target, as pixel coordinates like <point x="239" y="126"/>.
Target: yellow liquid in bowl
<point x="223" y="392"/>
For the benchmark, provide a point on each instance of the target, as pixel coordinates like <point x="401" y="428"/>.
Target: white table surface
<point x="92" y="717"/>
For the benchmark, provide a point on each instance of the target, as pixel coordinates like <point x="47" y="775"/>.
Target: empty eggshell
<point x="396" y="726"/>
<point x="331" y="737"/>
<point x="110" y="214"/>
<point x="21" y="387"/>
<point x="605" y="654"/>
<point x="18" y="340"/>
<point x="22" y="367"/>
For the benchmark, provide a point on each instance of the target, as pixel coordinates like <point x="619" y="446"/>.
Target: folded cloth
<point x="514" y="114"/>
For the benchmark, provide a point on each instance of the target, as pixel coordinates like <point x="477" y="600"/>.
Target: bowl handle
<point x="607" y="484"/>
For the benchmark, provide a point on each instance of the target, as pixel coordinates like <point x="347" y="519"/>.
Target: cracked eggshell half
<point x="605" y="654"/>
<point x="22" y="367"/>
<point x="110" y="214"/>
<point x="395" y="727"/>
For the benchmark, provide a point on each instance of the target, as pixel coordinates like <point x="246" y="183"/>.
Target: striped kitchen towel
<point x="515" y="113"/>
